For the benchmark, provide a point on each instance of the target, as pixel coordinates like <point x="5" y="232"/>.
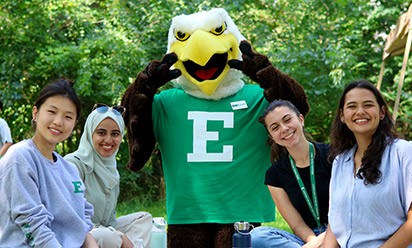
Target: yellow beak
<point x="198" y="50"/>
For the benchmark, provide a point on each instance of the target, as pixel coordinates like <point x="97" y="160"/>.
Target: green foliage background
<point x="102" y="45"/>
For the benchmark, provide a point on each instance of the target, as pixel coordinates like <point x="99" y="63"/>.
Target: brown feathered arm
<point x="138" y="99"/>
<point x="276" y="84"/>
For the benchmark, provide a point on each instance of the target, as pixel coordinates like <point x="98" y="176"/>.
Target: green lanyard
<point x="314" y="208"/>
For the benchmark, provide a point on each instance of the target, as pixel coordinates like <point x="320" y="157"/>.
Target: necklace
<point x="312" y="204"/>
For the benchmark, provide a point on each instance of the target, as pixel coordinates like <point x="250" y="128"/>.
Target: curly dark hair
<point x="342" y="138"/>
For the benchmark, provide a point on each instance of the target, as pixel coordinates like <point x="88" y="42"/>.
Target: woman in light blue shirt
<point x="371" y="184"/>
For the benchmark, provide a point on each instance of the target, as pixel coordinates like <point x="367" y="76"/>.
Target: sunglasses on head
<point x="103" y="108"/>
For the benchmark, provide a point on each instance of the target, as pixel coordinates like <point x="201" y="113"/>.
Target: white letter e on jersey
<point x="201" y="136"/>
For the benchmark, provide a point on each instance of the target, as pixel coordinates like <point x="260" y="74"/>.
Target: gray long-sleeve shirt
<point x="42" y="202"/>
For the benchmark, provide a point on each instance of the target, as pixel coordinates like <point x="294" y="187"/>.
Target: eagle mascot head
<point x="204" y="42"/>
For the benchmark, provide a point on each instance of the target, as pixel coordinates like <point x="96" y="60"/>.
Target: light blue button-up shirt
<point x="366" y="216"/>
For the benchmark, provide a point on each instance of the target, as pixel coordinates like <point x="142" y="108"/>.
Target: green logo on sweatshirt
<point x="78" y="187"/>
<point x="27" y="232"/>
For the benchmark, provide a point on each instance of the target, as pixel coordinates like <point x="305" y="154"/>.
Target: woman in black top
<point x="299" y="166"/>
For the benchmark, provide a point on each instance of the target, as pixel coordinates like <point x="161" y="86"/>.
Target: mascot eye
<point x="219" y="30"/>
<point x="181" y="36"/>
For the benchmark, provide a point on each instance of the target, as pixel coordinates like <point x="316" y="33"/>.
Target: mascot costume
<point x="213" y="149"/>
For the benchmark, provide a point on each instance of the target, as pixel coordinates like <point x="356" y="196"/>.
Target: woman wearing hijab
<point x="95" y="159"/>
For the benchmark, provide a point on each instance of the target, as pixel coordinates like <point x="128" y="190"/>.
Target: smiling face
<point x="55" y="120"/>
<point x="107" y="137"/>
<point x="361" y="113"/>
<point x="285" y="127"/>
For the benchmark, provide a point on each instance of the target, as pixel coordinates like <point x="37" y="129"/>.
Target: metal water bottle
<point x="241" y="237"/>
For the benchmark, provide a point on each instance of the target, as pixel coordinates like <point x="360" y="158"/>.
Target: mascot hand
<point x="138" y="99"/>
<point x="253" y="63"/>
<point x="158" y="73"/>
<point x="275" y="83"/>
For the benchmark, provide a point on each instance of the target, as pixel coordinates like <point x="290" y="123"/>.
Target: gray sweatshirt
<point x="42" y="202"/>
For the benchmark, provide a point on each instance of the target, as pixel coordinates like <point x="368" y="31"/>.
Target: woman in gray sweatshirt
<point x="42" y="196"/>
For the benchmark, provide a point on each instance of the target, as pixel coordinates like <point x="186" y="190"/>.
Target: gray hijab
<point x="104" y="167"/>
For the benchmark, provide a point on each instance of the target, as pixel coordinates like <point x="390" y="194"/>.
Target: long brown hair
<point x="342" y="138"/>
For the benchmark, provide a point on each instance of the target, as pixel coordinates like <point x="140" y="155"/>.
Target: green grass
<point x="158" y="209"/>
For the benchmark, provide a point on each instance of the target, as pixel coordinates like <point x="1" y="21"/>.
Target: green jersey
<point x="214" y="156"/>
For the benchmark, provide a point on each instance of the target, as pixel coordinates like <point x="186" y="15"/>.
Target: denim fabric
<point x="265" y="237"/>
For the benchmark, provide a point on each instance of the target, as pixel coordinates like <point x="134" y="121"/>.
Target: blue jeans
<point x="265" y="236"/>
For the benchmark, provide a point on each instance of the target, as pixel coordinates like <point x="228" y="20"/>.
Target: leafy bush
<point x="102" y="45"/>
